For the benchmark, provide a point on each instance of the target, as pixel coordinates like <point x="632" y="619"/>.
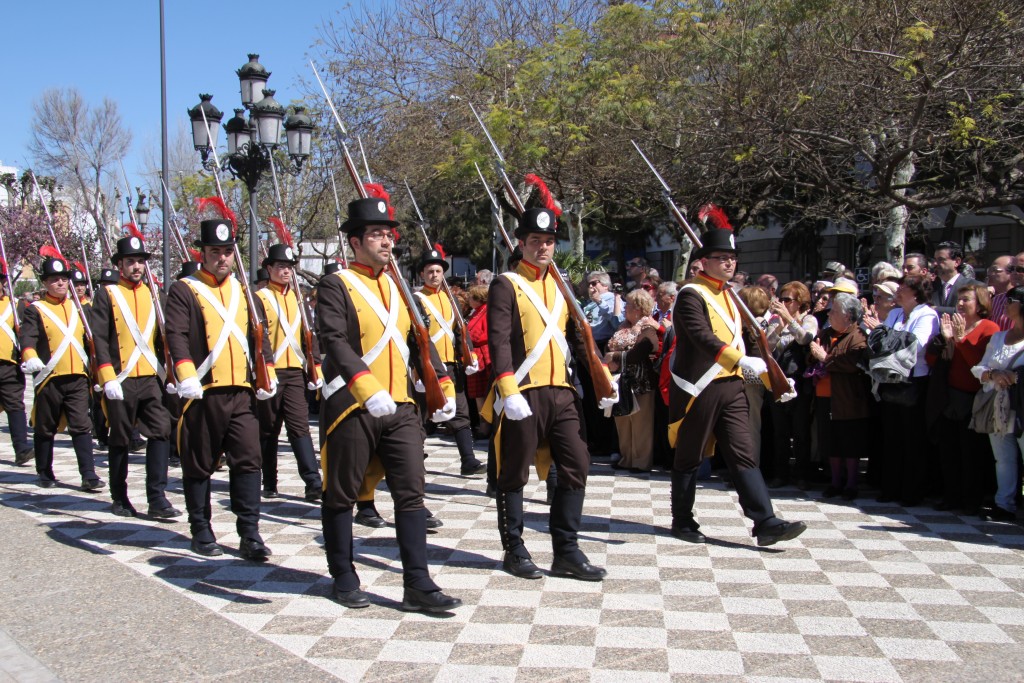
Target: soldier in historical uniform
<point x="368" y="409"/>
<point x="278" y="304"/>
<point x="12" y="379"/>
<point x="53" y="348"/>
<point x="80" y="281"/>
<point x="124" y="323"/>
<point x="535" y="405"/>
<point x="212" y="345"/>
<point x="708" y="404"/>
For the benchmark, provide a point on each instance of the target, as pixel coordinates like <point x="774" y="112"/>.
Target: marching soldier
<point x="124" y="328"/>
<point x="279" y="306"/>
<point x="439" y="307"/>
<point x="81" y="285"/>
<point x="213" y="350"/>
<point x="534" y="403"/>
<point x="53" y="349"/>
<point x="707" y="401"/>
<point x="368" y="410"/>
<point x="12" y="379"/>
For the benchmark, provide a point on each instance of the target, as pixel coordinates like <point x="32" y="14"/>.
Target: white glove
<point x="446" y="413"/>
<point x="420" y="389"/>
<point x="172" y="389"/>
<point x="313" y="386"/>
<point x="32" y="366"/>
<point x="606" y="403"/>
<point x="791" y="394"/>
<point x="474" y="368"/>
<point x="753" y="365"/>
<point x="381" y="404"/>
<point x="264" y="395"/>
<point x="112" y="390"/>
<point x="190" y="389"/>
<point x="517" y="408"/>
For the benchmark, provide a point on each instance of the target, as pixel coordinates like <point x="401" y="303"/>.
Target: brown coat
<point x="851" y="389"/>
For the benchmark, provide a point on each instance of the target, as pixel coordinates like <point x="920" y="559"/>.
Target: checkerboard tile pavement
<point x="876" y="593"/>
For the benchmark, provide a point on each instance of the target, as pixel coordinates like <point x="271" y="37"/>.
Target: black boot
<point x="305" y="460"/>
<point x="564" y="524"/>
<point x="754" y="497"/>
<point x="43" y="447"/>
<point x="411" y="532"/>
<point x="23" y="450"/>
<point x="244" y="488"/>
<point x="337" y="528"/>
<point x="517" y="560"/>
<point x="82" y="444"/>
<point x="158" y="457"/>
<point x="464" y="441"/>
<point x="684" y="493"/>
<point x="197" y="504"/>
<point x="268" y="451"/>
<point x="117" y="472"/>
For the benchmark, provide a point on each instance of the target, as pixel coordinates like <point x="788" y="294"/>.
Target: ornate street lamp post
<point x="252" y="143"/>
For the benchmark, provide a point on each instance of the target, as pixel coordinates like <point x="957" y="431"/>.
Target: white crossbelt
<point x="735" y="325"/>
<point x="389" y="318"/>
<point x="67" y="333"/>
<point x="552" y="331"/>
<point x="445" y="326"/>
<point x="289" y="328"/>
<point x="8" y="314"/>
<point x="230" y="328"/>
<point x="142" y="347"/>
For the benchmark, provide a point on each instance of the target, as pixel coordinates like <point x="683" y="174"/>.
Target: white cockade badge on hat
<point x="135" y="243"/>
<point x="288" y="253"/>
<point x="382" y="207"/>
<point x="223" y="232"/>
<point x="58" y="266"/>
<point x="543" y="221"/>
<point x="732" y="240"/>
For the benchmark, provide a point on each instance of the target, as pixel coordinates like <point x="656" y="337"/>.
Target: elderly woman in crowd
<point x="904" y="466"/>
<point x="479" y="383"/>
<point x="790" y="330"/>
<point x="997" y="372"/>
<point x="850" y="403"/>
<point x="630" y="353"/>
<point x="884" y="296"/>
<point x="963" y="453"/>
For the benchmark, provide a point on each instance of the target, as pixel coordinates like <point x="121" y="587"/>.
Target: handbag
<point x="627" y="404"/>
<point x="899" y="393"/>
<point x="992" y="412"/>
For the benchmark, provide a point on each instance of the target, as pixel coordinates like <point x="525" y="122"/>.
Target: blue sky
<point x="111" y="48"/>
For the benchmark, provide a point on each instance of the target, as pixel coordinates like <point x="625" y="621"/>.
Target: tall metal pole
<point x="165" y="201"/>
<point x="254" y="236"/>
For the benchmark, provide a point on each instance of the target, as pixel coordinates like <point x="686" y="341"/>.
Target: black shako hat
<point x="129" y="246"/>
<point x="537" y="220"/>
<point x="109" y="276"/>
<point x="431" y="257"/>
<point x="364" y="212"/>
<point x="280" y="253"/>
<point x="215" y="233"/>
<point x="78" y="277"/>
<point x="331" y="268"/>
<point x="51" y="266"/>
<point x="261" y="276"/>
<point x="187" y="268"/>
<point x="716" y="239"/>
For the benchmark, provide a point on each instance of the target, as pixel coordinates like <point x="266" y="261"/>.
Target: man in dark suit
<point x="948" y="258"/>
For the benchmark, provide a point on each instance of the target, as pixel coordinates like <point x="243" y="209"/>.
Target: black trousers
<point x="12" y="388"/>
<point x="288" y="407"/>
<point x="906" y="448"/>
<point x="143" y="406"/>
<point x="224" y="420"/>
<point x="792" y="420"/>
<point x="556" y="421"/>
<point x="67" y="396"/>
<point x="396" y="439"/>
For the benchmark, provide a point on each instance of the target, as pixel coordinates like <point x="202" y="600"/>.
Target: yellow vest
<point x="140" y="305"/>
<point x="444" y="344"/>
<point x="69" y="363"/>
<point x="8" y="351"/>
<point x="274" y="299"/>
<point x="717" y="301"/>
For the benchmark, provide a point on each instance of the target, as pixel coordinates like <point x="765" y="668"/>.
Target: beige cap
<point x="846" y="285"/>
<point x="887" y="287"/>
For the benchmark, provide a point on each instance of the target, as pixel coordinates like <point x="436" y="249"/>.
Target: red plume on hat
<point x="283" y="234"/>
<point x="46" y="251"/>
<point x="440" y="250"/>
<point x="546" y="200"/>
<point x="217" y="203"/>
<point x="194" y="253"/>
<point x="133" y="230"/>
<point x="377" y="190"/>
<point x="3" y="266"/>
<point x="80" y="266"/>
<point x="715" y="214"/>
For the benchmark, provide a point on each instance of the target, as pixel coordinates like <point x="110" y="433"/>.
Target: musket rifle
<point x="337" y="220"/>
<point x="154" y="291"/>
<point x="501" y="237"/>
<point x="602" y="383"/>
<point x="434" y="393"/>
<point x="90" y="341"/>
<point x="10" y="285"/>
<point x="260" y="362"/>
<point x="776" y="377"/>
<point x="178" y="240"/>
<point x="465" y="345"/>
<point x="307" y="330"/>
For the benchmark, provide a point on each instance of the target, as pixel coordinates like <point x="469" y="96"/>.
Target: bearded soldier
<point x="535" y="404"/>
<point x="124" y="325"/>
<point x="213" y="348"/>
<point x="53" y="349"/>
<point x="708" y="403"/>
<point x="12" y="379"/>
<point x="368" y="409"/>
<point x="279" y="306"/>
